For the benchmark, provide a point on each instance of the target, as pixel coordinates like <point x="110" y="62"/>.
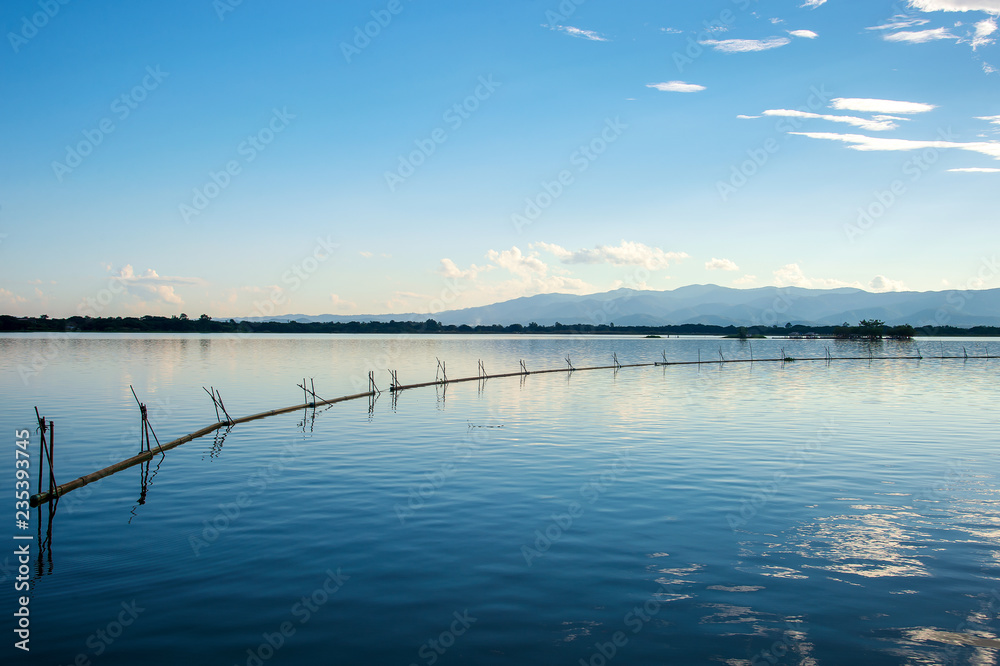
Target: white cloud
<point x="879" y="105"/>
<point x="531" y="286"/>
<point x="808" y="34"/>
<point x="9" y="298"/>
<point x="721" y="265"/>
<point x="983" y="30"/>
<point x="791" y="275"/>
<point x="637" y="285"/>
<point x="899" y="22"/>
<point x="628" y="253"/>
<point x="366" y="255"/>
<point x="992" y="6"/>
<point x="868" y="143"/>
<point x="863" y="123"/>
<point x="920" y="36"/>
<point x="994" y="120"/>
<point x="975" y="170"/>
<point x="517" y="274"/>
<point x="578" y="32"/>
<point x="745" y="280"/>
<point x="450" y="270"/>
<point x="813" y="4"/>
<point x="151" y="284"/>
<point x="403" y="301"/>
<point x="672" y="31"/>
<point x="743" y="117"/>
<point x="514" y="261"/>
<point x="776" y="21"/>
<point x="342" y="304"/>
<point x="676" y="86"/>
<point x="746" y="45"/>
<point x="881" y="283"/>
<point x="976" y="37"/>
<point x="531" y="277"/>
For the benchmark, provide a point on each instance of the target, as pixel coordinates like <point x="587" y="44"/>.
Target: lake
<point x="806" y="512"/>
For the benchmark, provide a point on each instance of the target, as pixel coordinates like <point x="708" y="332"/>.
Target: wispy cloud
<point x="872" y="125"/>
<point x="813" y="4"/>
<point x="975" y="170"/>
<point x="993" y="120"/>
<point x="920" y="36"/>
<point x="579" y="32"/>
<point x="721" y="265"/>
<point x="627" y="253"/>
<point x="746" y="45"/>
<point x="808" y="34"/>
<point x="899" y="22"/>
<point x="992" y="6"/>
<point x="869" y="143"/>
<point x="746" y="280"/>
<point x="672" y="31"/>
<point x="676" y="86"/>
<point x="879" y="105"/>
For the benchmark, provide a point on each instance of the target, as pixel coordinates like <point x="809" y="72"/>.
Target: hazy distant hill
<point x="711" y="304"/>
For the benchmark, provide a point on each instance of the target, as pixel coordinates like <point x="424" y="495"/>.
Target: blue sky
<point x="253" y="158"/>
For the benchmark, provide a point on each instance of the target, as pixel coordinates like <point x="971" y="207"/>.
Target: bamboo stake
<point x="52" y="455"/>
<point x="41" y="450"/>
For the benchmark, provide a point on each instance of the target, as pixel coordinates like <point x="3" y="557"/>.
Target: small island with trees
<point x="873" y="329"/>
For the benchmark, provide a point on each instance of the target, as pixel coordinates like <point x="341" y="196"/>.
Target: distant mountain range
<point x="712" y="304"/>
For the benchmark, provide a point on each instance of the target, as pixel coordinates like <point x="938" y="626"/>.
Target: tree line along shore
<point x="866" y="329"/>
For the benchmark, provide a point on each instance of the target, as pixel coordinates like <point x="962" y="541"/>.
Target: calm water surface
<point x="797" y="513"/>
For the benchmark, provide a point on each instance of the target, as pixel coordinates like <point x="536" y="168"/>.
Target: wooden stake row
<point x="441" y="378"/>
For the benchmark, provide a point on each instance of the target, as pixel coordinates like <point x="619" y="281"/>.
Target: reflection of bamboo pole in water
<point x="146" y="481"/>
<point x="43" y="562"/>
<point x="57" y="491"/>
<point x="216" y="450"/>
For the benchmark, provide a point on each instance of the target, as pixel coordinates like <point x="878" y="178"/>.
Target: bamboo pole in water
<point x="58" y="491"/>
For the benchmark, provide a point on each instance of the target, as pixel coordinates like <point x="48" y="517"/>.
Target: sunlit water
<point x="807" y="512"/>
